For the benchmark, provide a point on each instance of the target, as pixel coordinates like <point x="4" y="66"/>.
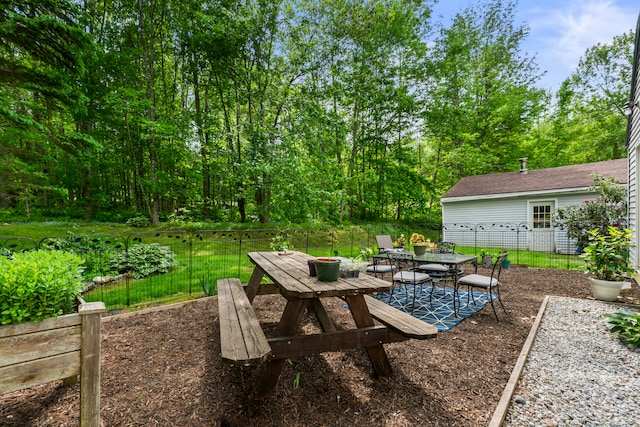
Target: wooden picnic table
<point x="290" y="276"/>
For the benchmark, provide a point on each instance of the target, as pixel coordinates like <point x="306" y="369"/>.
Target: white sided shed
<point x="633" y="145"/>
<point x="514" y="209"/>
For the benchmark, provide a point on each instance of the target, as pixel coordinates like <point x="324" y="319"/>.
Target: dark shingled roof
<point x="551" y="179"/>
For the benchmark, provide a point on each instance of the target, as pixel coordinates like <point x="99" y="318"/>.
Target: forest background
<point x="289" y="111"/>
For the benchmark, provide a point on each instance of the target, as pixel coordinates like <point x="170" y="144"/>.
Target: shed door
<point x="542" y="233"/>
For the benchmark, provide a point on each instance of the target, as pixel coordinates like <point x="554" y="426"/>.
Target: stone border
<point x="503" y="405"/>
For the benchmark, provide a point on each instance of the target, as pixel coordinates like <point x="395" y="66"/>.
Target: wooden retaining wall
<point x="58" y="348"/>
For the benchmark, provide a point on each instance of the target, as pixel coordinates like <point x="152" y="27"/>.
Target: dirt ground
<point x="163" y="368"/>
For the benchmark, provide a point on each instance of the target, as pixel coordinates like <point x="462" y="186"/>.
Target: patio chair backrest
<point x="497" y="266"/>
<point x="445" y="247"/>
<point x="384" y="242"/>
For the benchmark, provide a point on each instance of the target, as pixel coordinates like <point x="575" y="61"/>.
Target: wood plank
<point x="402" y="322"/>
<point x="241" y="336"/>
<point x="231" y="342"/>
<point x="37" y="345"/>
<point x="323" y="317"/>
<point x="90" y="363"/>
<point x="269" y="373"/>
<point x="362" y="318"/>
<point x="25" y="375"/>
<point x="47" y="324"/>
<point x="252" y="333"/>
<point x="303" y="345"/>
<point x="291" y="274"/>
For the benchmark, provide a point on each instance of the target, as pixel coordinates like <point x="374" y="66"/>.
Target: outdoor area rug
<point x="441" y="313"/>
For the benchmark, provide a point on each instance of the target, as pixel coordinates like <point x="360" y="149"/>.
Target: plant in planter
<point x="486" y="258"/>
<point x="281" y="243"/>
<point x="351" y="268"/>
<point x="37" y="290"/>
<point x="606" y="257"/>
<point x="400" y="242"/>
<point x="505" y="263"/>
<point x="327" y="269"/>
<point x="38" y="285"/>
<point x="420" y="244"/>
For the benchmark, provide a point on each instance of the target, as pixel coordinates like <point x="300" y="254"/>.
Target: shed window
<point x="541" y="216"/>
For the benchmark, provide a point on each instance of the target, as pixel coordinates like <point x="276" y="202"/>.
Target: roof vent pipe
<point x="523" y="165"/>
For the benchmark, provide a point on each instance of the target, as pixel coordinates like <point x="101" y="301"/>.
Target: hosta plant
<point x="143" y="260"/>
<point x="627" y="325"/>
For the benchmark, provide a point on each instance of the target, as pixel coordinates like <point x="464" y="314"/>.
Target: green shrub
<point x="138" y="221"/>
<point x="37" y="285"/>
<point x="143" y="260"/>
<point x="627" y="325"/>
<point x="94" y="250"/>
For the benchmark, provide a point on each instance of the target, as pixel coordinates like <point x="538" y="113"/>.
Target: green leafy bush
<point x="139" y="221"/>
<point x="143" y="260"/>
<point x="608" y="209"/>
<point x="607" y="256"/>
<point x="37" y="285"/>
<point x="627" y="324"/>
<point x="94" y="250"/>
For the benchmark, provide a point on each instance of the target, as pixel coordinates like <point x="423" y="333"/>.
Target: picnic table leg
<point x="269" y="372"/>
<point x="254" y="283"/>
<point x="362" y="318"/>
<point x="323" y="316"/>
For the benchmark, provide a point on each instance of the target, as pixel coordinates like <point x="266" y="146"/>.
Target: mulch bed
<point x="163" y="368"/>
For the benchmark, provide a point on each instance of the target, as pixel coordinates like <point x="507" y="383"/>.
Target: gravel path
<point x="577" y="372"/>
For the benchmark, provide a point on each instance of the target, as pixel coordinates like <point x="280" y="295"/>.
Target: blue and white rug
<point x="439" y="311"/>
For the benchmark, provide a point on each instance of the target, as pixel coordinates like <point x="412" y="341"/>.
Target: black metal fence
<point x="203" y="256"/>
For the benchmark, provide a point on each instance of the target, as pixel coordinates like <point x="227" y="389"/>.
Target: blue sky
<point x="561" y="30"/>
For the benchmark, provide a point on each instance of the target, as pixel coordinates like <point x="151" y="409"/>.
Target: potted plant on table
<point x="400" y="242"/>
<point x="327" y="269"/>
<point x="281" y="243"/>
<point x="420" y="244"/>
<point x="606" y="257"/>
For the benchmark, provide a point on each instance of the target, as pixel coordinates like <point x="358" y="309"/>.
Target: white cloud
<point x="561" y="32"/>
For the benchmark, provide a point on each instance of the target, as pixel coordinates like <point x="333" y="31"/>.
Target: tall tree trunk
<point x="148" y="53"/>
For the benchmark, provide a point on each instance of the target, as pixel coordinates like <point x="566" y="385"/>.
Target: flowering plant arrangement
<point x="609" y="208"/>
<point x="400" y="241"/>
<point x="419" y="240"/>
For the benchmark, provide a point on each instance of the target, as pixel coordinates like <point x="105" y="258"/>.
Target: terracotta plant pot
<point x="327" y="269"/>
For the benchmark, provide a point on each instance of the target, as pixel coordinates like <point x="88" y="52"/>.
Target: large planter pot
<point x="420" y="249"/>
<point x="58" y="348"/>
<point x="487" y="261"/>
<point x="605" y="290"/>
<point x="327" y="269"/>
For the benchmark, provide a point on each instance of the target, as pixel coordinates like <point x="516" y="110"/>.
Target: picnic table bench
<point x="243" y="341"/>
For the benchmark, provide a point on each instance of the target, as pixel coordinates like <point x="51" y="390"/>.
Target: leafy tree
<point x="609" y="208"/>
<point x="43" y="53"/>
<point x="587" y="122"/>
<point x="480" y="98"/>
